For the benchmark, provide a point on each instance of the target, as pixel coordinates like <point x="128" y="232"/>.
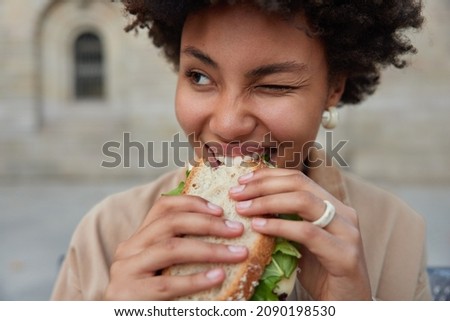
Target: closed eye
<point x="277" y="88"/>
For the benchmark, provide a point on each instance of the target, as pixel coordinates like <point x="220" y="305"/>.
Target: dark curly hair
<point x="360" y="37"/>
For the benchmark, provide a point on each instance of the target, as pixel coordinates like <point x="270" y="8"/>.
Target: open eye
<point x="198" y="78"/>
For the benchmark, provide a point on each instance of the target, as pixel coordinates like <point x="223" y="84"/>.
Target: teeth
<point x="237" y="161"/>
<point x="225" y="160"/>
<point x="233" y="161"/>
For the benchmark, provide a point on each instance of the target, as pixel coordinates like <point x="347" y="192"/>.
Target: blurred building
<point x="72" y="80"/>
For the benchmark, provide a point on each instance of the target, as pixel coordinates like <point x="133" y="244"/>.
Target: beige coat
<point x="392" y="233"/>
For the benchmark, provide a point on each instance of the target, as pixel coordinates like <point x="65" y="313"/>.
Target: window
<point x="89" y="73"/>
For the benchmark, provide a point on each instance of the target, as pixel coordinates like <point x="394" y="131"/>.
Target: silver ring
<point x="327" y="216"/>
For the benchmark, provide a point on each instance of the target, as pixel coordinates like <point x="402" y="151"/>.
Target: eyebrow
<point x="283" y="67"/>
<point x="259" y="72"/>
<point x="203" y="57"/>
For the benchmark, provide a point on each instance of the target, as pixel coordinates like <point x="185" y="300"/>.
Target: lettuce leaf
<point x="267" y="161"/>
<point x="264" y="291"/>
<point x="179" y="189"/>
<point x="284" y="262"/>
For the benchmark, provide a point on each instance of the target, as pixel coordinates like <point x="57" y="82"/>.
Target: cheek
<point x="295" y="130"/>
<point x="185" y="110"/>
<point x="294" y="121"/>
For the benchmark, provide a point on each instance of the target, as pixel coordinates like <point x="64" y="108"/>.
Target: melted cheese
<point x="286" y="285"/>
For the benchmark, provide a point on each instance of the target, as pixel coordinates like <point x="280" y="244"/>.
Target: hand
<point x="332" y="265"/>
<point x="158" y="243"/>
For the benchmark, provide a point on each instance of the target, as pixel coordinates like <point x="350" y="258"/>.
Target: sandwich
<point x="268" y="273"/>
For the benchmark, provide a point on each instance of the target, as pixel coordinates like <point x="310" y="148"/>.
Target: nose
<point x="232" y="119"/>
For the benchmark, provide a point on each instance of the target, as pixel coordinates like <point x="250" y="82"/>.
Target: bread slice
<point x="213" y="184"/>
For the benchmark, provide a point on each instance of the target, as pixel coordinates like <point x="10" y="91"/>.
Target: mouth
<point x="235" y="155"/>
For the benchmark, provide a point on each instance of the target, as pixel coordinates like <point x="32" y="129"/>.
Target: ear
<point x="335" y="91"/>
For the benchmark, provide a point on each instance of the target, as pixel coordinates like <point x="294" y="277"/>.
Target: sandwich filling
<point x="278" y="279"/>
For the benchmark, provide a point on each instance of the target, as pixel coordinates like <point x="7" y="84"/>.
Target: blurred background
<point x="72" y="80"/>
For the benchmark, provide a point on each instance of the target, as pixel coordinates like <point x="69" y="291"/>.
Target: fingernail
<point x="214" y="274"/>
<point x="233" y="224"/>
<point x="244" y="204"/>
<point x="237" y="189"/>
<point x="258" y="221"/>
<point x="214" y="207"/>
<point x="246" y="176"/>
<point x="236" y="248"/>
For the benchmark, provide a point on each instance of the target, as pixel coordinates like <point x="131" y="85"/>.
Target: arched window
<point x="89" y="73"/>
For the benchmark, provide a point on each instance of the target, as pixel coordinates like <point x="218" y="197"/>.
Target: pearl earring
<point x="330" y="118"/>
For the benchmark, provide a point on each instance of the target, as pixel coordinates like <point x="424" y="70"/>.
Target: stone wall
<point x="45" y="132"/>
<point x="400" y="135"/>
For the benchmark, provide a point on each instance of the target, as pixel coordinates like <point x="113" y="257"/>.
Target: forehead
<point x="245" y="13"/>
<point x="227" y="29"/>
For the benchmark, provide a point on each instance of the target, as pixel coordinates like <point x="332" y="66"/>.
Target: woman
<point x="247" y="71"/>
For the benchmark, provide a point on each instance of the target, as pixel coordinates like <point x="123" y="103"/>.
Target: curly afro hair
<point x="360" y="37"/>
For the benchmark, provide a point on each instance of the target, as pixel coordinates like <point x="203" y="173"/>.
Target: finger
<point x="273" y="182"/>
<point x="166" y="287"/>
<point x="298" y="178"/>
<point x="266" y="172"/>
<point x="265" y="186"/>
<point x="304" y="204"/>
<point x="185" y="203"/>
<point x="177" y="224"/>
<point x="184" y="250"/>
<point x="339" y="255"/>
